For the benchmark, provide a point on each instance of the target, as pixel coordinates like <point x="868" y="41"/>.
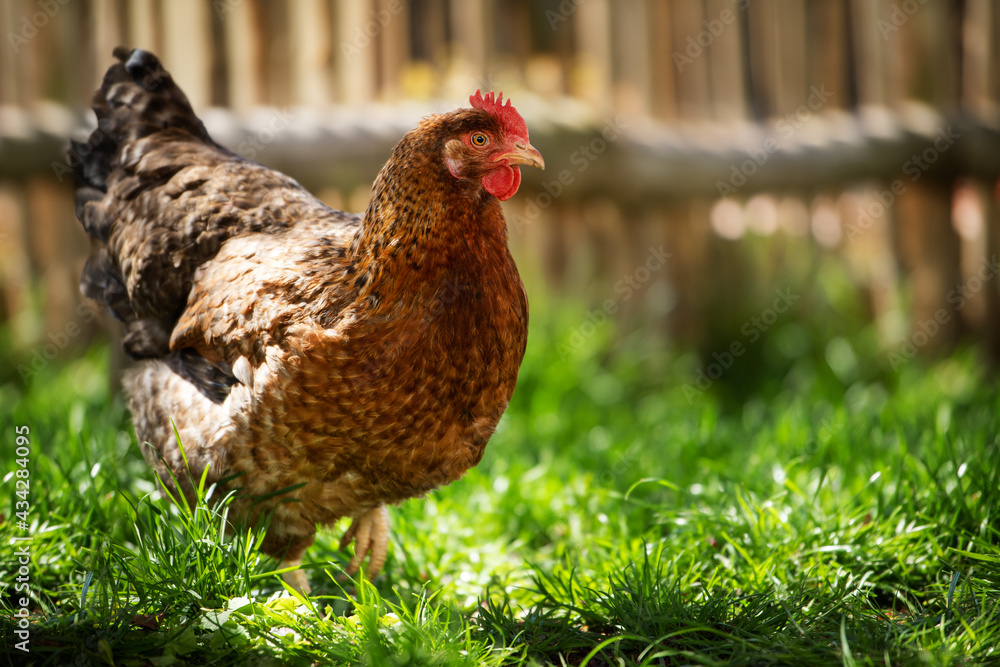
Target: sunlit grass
<point x="612" y="521"/>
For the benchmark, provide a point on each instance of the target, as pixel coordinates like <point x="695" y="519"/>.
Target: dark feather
<point x="214" y="381"/>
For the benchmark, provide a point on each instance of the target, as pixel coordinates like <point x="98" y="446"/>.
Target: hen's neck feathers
<point x="424" y="226"/>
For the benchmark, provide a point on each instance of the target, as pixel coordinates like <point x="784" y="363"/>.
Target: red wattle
<point x="503" y="182"/>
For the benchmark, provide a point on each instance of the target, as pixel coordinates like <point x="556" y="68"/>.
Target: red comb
<point x="505" y="113"/>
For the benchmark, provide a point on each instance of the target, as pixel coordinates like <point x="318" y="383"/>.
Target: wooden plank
<point x="244" y="43"/>
<point x="33" y="44"/>
<point x="394" y="47"/>
<point x="922" y="59"/>
<point x="778" y="56"/>
<point x="869" y="52"/>
<point x="511" y="38"/>
<point x="15" y="269"/>
<point x="592" y="24"/>
<point x="969" y="215"/>
<point x="791" y="89"/>
<point x="472" y="38"/>
<point x="650" y="228"/>
<point x="979" y="65"/>
<point x="664" y="69"/>
<point x="727" y="84"/>
<point x="309" y="23"/>
<point x="826" y="54"/>
<point x="357" y="51"/>
<point x="930" y="250"/>
<point x="73" y="74"/>
<point x="989" y="198"/>
<point x="761" y="30"/>
<point x="145" y="27"/>
<point x="689" y="240"/>
<point x="632" y="76"/>
<point x="611" y="253"/>
<point x="277" y="53"/>
<point x="9" y="24"/>
<point x="868" y="250"/>
<point x="23" y="66"/>
<point x="691" y="66"/>
<point x="220" y="60"/>
<point x="59" y="250"/>
<point x="186" y="48"/>
<point x="108" y="28"/>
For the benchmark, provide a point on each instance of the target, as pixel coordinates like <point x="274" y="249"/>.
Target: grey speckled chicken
<point x="344" y="362"/>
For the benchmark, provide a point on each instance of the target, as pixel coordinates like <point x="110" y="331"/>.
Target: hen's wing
<point x="168" y="201"/>
<point x="258" y="285"/>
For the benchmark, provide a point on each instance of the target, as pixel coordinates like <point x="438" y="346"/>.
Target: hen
<point x="325" y="364"/>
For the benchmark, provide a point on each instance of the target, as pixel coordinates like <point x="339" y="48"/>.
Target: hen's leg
<point x="297" y="579"/>
<point x="370" y="532"/>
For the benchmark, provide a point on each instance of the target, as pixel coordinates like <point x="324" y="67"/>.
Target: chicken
<point x="323" y="364"/>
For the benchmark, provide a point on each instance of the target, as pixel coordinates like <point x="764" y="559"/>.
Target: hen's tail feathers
<point x="136" y="99"/>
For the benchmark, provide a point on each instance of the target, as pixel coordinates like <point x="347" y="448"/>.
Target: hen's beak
<point x="524" y="153"/>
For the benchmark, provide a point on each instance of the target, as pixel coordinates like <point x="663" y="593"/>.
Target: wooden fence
<point x="866" y="129"/>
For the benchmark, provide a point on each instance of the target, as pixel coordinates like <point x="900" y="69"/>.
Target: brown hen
<point x="323" y="363"/>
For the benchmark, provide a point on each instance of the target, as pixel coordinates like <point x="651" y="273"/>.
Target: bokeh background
<point x="754" y="189"/>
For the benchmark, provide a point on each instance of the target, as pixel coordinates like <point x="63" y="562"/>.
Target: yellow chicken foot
<point x="370" y="532"/>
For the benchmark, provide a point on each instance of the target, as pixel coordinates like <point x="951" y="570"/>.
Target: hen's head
<point x="489" y="142"/>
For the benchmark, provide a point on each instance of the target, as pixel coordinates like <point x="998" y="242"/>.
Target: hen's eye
<point x="479" y="139"/>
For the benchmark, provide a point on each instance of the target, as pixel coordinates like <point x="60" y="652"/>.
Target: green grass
<point x="824" y="518"/>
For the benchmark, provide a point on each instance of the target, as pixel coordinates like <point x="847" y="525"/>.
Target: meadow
<point x="815" y="506"/>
